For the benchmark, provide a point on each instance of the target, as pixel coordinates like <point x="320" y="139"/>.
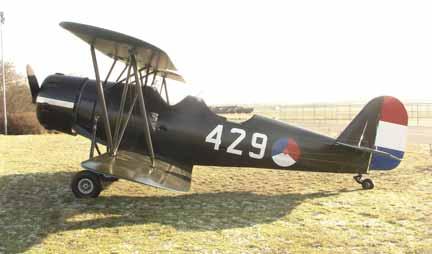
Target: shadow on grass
<point x="33" y="206"/>
<point x="426" y="169"/>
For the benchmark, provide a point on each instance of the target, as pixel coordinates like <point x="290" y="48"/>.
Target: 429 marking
<point x="259" y="141"/>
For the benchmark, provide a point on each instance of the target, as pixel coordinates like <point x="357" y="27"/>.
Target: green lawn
<point x="229" y="210"/>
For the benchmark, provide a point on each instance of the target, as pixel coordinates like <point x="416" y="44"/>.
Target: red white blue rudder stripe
<point x="390" y="135"/>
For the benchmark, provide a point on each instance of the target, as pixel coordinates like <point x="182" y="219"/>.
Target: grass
<point x="229" y="210"/>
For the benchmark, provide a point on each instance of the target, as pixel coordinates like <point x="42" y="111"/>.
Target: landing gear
<point x="86" y="184"/>
<point x="107" y="180"/>
<point x="366" y="184"/>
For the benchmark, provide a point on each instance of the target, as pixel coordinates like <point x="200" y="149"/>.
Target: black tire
<point x="367" y="184"/>
<point x="86" y="184"/>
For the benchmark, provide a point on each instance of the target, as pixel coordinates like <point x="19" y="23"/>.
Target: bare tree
<point x="20" y="110"/>
<point x="18" y="98"/>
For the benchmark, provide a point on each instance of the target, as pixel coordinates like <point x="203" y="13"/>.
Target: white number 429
<point x="259" y="141"/>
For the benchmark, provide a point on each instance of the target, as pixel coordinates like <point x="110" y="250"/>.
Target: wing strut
<point x="142" y="106"/>
<point x="110" y="71"/>
<point x="93" y="138"/>
<point x="121" y="110"/>
<point x="123" y="128"/>
<point x="113" y="143"/>
<point x="121" y="73"/>
<point x="166" y="90"/>
<point x="102" y="102"/>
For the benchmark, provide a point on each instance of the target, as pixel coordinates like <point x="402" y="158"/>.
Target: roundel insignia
<point x="285" y="152"/>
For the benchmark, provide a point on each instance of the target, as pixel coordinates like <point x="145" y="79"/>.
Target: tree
<point x="20" y="110"/>
<point x="18" y="98"/>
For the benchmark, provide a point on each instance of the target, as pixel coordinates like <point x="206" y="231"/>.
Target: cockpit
<point x="158" y="101"/>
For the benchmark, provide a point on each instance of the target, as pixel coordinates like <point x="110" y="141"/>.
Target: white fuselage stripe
<point x="390" y="135"/>
<point x="55" y="102"/>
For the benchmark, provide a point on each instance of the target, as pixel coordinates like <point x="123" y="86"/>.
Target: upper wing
<point x="171" y="75"/>
<point x="118" y="45"/>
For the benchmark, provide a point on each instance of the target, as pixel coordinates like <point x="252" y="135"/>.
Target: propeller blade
<point x="34" y="85"/>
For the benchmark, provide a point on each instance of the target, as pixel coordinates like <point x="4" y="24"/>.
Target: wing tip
<point x="63" y="24"/>
<point x="68" y="25"/>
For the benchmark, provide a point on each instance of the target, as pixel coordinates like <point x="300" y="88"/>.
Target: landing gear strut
<point x="366" y="184"/>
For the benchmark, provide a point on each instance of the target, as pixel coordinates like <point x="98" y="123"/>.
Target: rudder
<point x="381" y="125"/>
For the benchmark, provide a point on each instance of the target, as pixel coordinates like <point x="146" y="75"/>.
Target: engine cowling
<point x="56" y="100"/>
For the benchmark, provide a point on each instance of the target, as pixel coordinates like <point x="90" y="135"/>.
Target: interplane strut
<point x="114" y="141"/>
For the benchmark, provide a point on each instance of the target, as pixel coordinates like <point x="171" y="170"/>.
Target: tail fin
<point x="381" y="125"/>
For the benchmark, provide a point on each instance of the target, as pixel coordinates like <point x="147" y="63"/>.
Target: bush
<point x="22" y="123"/>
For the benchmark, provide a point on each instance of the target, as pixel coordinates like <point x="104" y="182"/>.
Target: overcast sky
<point x="246" y="51"/>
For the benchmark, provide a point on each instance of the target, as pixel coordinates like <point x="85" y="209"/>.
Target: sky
<point x="245" y="52"/>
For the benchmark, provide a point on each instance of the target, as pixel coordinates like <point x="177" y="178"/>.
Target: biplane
<point x="151" y="141"/>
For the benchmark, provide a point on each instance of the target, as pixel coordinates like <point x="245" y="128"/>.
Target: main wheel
<point x="86" y="184"/>
<point x="367" y="184"/>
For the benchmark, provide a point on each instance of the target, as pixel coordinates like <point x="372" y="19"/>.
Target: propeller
<point x="34" y="85"/>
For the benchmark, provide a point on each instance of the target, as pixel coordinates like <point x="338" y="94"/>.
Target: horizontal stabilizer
<point x="367" y="149"/>
<point x="138" y="168"/>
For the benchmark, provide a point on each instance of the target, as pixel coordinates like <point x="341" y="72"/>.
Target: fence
<point x="419" y="114"/>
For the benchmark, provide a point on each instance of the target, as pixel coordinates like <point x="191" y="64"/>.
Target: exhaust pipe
<point x="34" y="85"/>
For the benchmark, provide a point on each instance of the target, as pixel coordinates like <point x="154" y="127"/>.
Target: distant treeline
<point x="20" y="110"/>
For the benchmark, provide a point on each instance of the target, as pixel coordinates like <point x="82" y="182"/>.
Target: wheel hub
<point x="85" y="186"/>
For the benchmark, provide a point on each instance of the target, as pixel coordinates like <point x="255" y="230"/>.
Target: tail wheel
<point x="367" y="184"/>
<point x="86" y="184"/>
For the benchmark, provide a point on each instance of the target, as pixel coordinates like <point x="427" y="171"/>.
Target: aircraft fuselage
<point x="189" y="133"/>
